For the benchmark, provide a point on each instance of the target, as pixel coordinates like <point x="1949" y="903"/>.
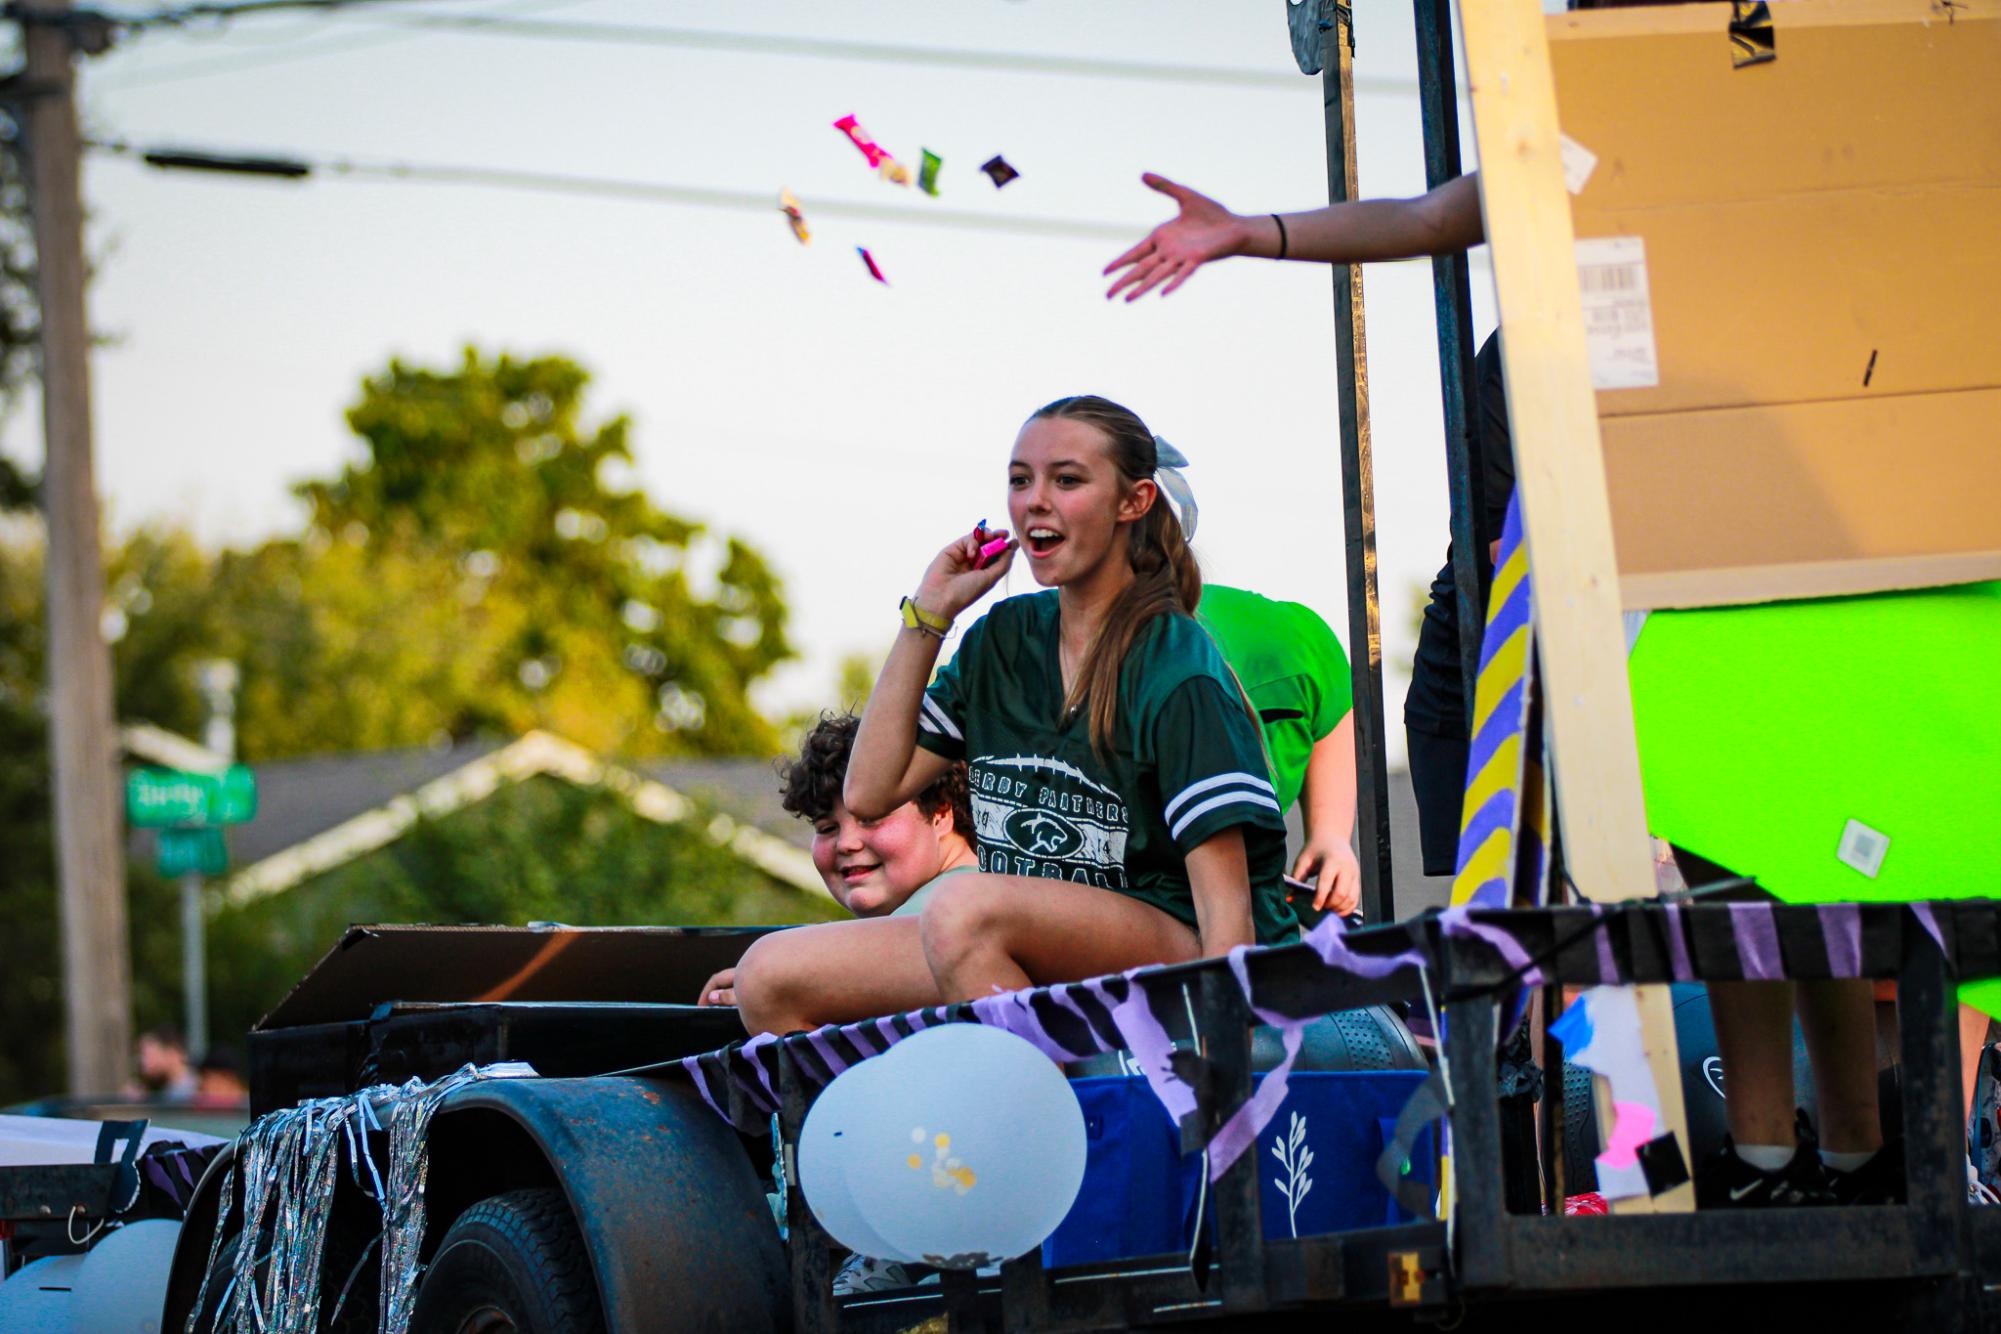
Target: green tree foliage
<point x="31" y="998"/>
<point x="549" y="593"/>
<point x="481" y="568"/>
<point x="540" y="850"/>
<point x="29" y="987"/>
<point x="478" y="570"/>
<point x="20" y="317"/>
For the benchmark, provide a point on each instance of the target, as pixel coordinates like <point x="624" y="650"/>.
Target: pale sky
<point x="846" y="429"/>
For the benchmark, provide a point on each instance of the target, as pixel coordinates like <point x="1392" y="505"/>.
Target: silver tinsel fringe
<point x="289" y="1163"/>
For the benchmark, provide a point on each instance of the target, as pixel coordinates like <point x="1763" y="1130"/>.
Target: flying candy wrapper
<point x="873" y="151"/>
<point x="927" y="173"/>
<point x="997" y="167"/>
<point x="873" y="271"/>
<point x="895" y="172"/>
<point x="795" y="216"/>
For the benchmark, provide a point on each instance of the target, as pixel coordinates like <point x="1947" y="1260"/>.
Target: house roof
<point x="316" y="812"/>
<point x="299" y="798"/>
<point x="745" y="787"/>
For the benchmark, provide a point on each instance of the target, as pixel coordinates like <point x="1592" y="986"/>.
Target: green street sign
<point x="236" y="796"/>
<point x="156" y="798"/>
<point x="198" y="850"/>
<point x="167" y="796"/>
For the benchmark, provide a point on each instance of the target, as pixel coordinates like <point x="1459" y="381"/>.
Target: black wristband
<point x="1284" y="244"/>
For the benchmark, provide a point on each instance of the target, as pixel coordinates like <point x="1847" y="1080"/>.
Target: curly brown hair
<point x="813" y="781"/>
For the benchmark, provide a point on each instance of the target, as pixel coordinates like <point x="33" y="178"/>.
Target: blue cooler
<point x="1316" y="1164"/>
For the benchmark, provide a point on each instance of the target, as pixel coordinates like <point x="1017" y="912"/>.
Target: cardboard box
<point x="1822" y="241"/>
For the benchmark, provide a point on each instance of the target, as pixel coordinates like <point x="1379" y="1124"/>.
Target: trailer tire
<point x="512" y="1262"/>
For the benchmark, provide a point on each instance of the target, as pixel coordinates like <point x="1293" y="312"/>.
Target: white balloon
<point x="122" y="1287"/>
<point x="38" y="1298"/>
<point x="970" y="1149"/>
<point x="825" y="1142"/>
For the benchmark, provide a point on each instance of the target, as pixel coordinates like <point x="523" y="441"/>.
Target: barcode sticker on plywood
<point x="1618" y="316"/>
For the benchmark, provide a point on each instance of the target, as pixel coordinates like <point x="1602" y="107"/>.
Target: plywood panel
<point x="1553" y="419"/>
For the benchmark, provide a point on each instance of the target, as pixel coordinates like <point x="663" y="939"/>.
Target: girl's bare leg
<point x="833" y="973"/>
<point x="1754" y="1022"/>
<point x="984" y="933"/>
<point x="1838" y="1021"/>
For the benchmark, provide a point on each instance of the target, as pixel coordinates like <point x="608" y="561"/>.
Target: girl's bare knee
<point x="959" y="914"/>
<point x="766" y="988"/>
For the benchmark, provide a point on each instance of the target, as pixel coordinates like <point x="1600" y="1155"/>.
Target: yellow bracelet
<point x="916" y="618"/>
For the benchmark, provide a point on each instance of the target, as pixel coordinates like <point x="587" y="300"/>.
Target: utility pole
<point x="90" y="854"/>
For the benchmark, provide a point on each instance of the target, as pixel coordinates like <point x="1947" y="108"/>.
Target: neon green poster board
<point x="1808" y="744"/>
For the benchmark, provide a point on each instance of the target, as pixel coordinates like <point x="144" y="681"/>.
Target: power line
<point x="778" y="44"/>
<point x="775" y="44"/>
<point x="184" y="14"/>
<point x="197" y="69"/>
<point x="600" y="187"/>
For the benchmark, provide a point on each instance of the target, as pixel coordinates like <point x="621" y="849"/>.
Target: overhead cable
<point x="265" y="56"/>
<point x="272" y="164"/>
<point x="779" y="44"/>
<point x="181" y="15"/>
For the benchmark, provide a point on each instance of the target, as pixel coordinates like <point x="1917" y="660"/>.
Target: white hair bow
<point x="1169" y="462"/>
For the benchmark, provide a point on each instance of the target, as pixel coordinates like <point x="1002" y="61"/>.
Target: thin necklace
<point x="1066" y="669"/>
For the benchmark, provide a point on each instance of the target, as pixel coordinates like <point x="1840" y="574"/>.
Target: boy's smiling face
<point x="871" y="867"/>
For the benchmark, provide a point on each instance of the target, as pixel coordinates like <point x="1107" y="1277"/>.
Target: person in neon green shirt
<point x="1293" y="668"/>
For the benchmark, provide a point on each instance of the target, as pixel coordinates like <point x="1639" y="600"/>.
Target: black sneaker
<point x="1726" y="1181"/>
<point x="1878" y="1181"/>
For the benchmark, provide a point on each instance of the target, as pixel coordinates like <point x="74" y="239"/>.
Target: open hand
<point x="1204" y="230"/>
<point x="956" y="580"/>
<point x="719" y="990"/>
<point x="1335" y="874"/>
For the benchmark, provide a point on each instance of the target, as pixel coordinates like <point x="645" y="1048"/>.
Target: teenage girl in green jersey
<point x="1122" y="809"/>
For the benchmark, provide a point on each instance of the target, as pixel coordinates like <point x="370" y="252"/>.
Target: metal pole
<point x="90" y="859"/>
<point x="194" y="966"/>
<point x="216" y="679"/>
<point x="1351" y="359"/>
<point x="1439" y="100"/>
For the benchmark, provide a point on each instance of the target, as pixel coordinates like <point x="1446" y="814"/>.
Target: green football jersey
<point x="1186" y="763"/>
<point x="1293" y="669"/>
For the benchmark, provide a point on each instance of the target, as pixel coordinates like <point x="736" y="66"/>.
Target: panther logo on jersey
<point x="1042" y="834"/>
<point x="1033" y="815"/>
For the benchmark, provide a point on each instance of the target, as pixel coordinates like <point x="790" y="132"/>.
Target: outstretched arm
<point x="886" y="768"/>
<point x="1440" y="222"/>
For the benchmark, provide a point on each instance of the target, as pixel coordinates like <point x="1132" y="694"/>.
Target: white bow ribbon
<point x="1169" y="462"/>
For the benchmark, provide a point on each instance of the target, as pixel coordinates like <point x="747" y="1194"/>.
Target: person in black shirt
<point x="1434" y="710"/>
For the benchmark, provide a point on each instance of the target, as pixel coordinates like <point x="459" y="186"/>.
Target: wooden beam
<point x="1560" y="471"/>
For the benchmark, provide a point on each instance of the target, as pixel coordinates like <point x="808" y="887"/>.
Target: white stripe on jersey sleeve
<point x="1200" y="809"/>
<point x="944" y="719"/>
<point x="928" y="725"/>
<point x="1220" y="780"/>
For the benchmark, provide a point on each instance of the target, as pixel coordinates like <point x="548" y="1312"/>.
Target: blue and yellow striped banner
<point x="1504" y="817"/>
